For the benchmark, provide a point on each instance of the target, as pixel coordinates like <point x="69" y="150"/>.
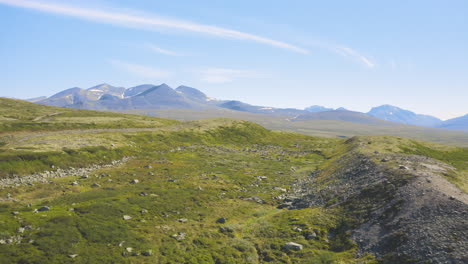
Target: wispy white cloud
<point x="147" y="22"/>
<point x="349" y="52"/>
<point x="157" y="49"/>
<point x="222" y="75"/>
<point x="141" y="70"/>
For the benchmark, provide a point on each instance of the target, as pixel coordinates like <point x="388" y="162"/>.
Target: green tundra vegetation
<point x="190" y="192"/>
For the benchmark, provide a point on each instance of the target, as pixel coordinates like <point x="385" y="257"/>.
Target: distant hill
<point x="342" y="115"/>
<point x="396" y="114"/>
<point x="317" y="108"/>
<point x="459" y="123"/>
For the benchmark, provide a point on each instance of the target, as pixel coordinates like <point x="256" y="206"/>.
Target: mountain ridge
<point x="149" y="96"/>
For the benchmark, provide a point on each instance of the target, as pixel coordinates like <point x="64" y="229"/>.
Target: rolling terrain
<point x="80" y="186"/>
<point x="321" y="128"/>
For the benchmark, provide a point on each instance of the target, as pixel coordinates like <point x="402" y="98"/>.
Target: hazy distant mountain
<point x="243" y="107"/>
<point x="137" y="89"/>
<point x="149" y="96"/>
<point x="317" y="108"/>
<point x="341" y="109"/>
<point x="396" y="114"/>
<point x="36" y="99"/>
<point x="342" y="115"/>
<point x="95" y="92"/>
<point x="159" y="97"/>
<point x="459" y="123"/>
<point x="79" y="98"/>
<point x="192" y="94"/>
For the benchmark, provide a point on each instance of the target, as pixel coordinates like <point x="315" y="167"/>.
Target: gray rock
<point x="182" y="220"/>
<point x="225" y="229"/>
<point x="127" y="217"/>
<point x="179" y="236"/>
<point x="135" y="181"/>
<point x="221" y="220"/>
<point x="293" y="246"/>
<point x="43" y="208"/>
<point x="297" y="229"/>
<point x="280" y="189"/>
<point x="144" y="211"/>
<point x="73" y="255"/>
<point x="147" y="253"/>
<point x="95" y="185"/>
<point x="310" y="236"/>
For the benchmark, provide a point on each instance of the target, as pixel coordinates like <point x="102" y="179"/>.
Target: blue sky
<point x="355" y="54"/>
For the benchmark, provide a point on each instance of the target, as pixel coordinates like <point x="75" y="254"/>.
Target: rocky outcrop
<point x="401" y="215"/>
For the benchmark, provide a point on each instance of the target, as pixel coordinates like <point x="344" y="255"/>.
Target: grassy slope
<point x="199" y="171"/>
<point x="18" y="115"/>
<point x="324" y="128"/>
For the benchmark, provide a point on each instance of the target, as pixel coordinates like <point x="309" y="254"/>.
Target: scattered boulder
<point x="148" y="167"/>
<point x="182" y="220"/>
<point x="134" y="181"/>
<point x="297" y="229"/>
<point x="221" y="220"/>
<point x="15" y="213"/>
<point x="44" y="208"/>
<point x="73" y="255"/>
<point x="280" y="189"/>
<point x="147" y="253"/>
<point x="384" y="160"/>
<point x="95" y="185"/>
<point x="74" y="183"/>
<point x="311" y="235"/>
<point x="144" y="211"/>
<point x="179" y="236"/>
<point x="127" y="217"/>
<point x="293" y="246"/>
<point x="253" y="198"/>
<point x="225" y="229"/>
<point x="402" y="167"/>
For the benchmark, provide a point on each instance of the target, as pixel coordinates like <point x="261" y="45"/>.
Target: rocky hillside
<point x="402" y="207"/>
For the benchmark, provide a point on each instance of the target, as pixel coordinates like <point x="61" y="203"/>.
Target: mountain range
<point x="149" y="96"/>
